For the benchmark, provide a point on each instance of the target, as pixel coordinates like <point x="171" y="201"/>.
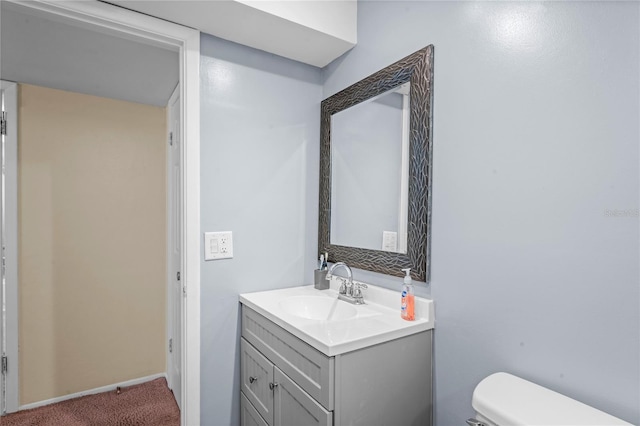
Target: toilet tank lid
<point x="505" y="399"/>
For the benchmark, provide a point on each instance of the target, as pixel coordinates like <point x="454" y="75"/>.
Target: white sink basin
<point x="333" y="326"/>
<point x="318" y="308"/>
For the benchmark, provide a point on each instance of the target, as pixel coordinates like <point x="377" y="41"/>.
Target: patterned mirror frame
<point x="416" y="68"/>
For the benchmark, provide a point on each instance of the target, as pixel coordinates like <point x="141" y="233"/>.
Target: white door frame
<point x="11" y="245"/>
<point x="103" y="17"/>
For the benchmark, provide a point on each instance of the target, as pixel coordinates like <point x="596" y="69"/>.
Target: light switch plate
<point x="218" y="245"/>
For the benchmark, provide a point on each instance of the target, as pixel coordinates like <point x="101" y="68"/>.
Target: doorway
<point x="101" y="17"/>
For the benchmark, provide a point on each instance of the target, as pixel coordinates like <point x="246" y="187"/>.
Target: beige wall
<point x="92" y="240"/>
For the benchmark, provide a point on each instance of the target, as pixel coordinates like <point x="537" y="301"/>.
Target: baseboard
<point x="92" y="391"/>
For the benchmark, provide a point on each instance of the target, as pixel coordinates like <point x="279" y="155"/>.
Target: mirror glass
<point x="369" y="172"/>
<point x="375" y="170"/>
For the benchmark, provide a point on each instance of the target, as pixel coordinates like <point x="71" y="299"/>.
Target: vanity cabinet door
<point x="257" y="375"/>
<point x="294" y="407"/>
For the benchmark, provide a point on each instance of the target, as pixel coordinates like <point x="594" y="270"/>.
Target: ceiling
<point x="56" y="54"/>
<point x="308" y="31"/>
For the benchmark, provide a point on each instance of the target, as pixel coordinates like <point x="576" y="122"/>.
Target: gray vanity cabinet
<point x="287" y="382"/>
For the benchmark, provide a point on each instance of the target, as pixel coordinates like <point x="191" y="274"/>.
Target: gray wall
<point x="535" y="138"/>
<point x="259" y="166"/>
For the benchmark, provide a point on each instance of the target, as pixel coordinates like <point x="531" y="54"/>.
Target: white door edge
<point x="11" y="240"/>
<point x="175" y="303"/>
<point x="135" y="26"/>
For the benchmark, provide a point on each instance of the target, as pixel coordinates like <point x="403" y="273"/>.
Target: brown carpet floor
<point x="149" y="403"/>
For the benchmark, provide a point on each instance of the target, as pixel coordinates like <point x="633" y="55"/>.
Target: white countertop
<point x="375" y="322"/>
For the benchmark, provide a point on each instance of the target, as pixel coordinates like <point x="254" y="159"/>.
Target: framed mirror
<point x="375" y="170"/>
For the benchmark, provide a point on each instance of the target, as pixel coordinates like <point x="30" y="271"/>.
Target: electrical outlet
<point x="218" y="245"/>
<point x="389" y="241"/>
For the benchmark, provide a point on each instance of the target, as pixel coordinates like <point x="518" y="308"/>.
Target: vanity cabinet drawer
<point x="312" y="370"/>
<point x="249" y="416"/>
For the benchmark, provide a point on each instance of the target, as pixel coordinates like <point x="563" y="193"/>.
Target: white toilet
<point x="506" y="400"/>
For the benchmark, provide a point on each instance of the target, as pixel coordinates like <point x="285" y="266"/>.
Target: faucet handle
<point x="343" y="286"/>
<point x="358" y="284"/>
<point x="357" y="293"/>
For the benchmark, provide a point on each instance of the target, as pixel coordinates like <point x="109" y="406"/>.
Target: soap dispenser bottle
<point x="407" y="304"/>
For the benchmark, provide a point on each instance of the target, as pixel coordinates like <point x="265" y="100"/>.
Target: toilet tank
<point x="506" y="400"/>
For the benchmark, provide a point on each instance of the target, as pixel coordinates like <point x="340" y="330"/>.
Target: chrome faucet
<point x="345" y="288"/>
<point x="350" y="291"/>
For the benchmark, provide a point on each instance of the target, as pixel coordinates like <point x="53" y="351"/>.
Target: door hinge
<point x="170" y="138"/>
<point x="178" y="276"/>
<point x="3" y="123"/>
<point x="170" y="346"/>
<point x="5" y="364"/>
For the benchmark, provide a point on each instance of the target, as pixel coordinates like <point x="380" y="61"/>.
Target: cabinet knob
<point x="272" y="386"/>
<point x="252" y="379"/>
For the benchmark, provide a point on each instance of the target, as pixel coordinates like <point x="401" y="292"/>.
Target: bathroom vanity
<point x="309" y="359"/>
